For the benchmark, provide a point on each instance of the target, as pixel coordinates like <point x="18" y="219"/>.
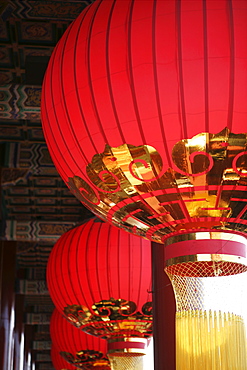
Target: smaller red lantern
<point x="76" y="347"/>
<point x="99" y="278"/>
<point x="58" y="362"/>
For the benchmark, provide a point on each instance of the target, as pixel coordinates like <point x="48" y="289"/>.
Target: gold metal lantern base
<point x="205" y="270"/>
<point x="112" y="319"/>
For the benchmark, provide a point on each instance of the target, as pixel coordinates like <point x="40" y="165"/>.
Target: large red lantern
<point x="77" y="348"/>
<point x="144" y="114"/>
<point x="99" y="278"/>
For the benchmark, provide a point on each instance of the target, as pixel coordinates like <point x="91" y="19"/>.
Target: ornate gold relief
<point x="87" y="360"/>
<point x="112" y="318"/>
<point x="205" y="188"/>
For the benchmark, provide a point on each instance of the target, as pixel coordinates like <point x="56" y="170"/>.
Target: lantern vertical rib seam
<point x="66" y="109"/>
<point x="156" y="83"/>
<point x="180" y="68"/>
<point x="51" y="151"/>
<point x="65" y="106"/>
<point x="57" y="338"/>
<point x="62" y="331"/>
<point x="66" y="248"/>
<point x="54" y="333"/>
<point x="77" y="144"/>
<point x="231" y="72"/>
<point x="87" y="263"/>
<point x="181" y="84"/>
<point x="59" y="347"/>
<point x="232" y="65"/>
<point x="73" y="237"/>
<point x="98" y="257"/>
<point x="205" y="46"/>
<point x="130" y="265"/>
<point x="81" y="230"/>
<point x="118" y="264"/>
<point x="108" y="75"/>
<point x="78" y="95"/>
<point x="140" y="275"/>
<point x="108" y="264"/>
<point x="94" y="105"/>
<point x="58" y="256"/>
<point x="131" y="75"/>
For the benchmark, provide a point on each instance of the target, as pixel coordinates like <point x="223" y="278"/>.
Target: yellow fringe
<point x="210" y="340"/>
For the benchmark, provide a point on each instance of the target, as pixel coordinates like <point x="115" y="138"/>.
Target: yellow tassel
<point x="210" y="340"/>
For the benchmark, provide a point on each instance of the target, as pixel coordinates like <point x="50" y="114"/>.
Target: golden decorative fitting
<point x="206" y="254"/>
<point x="87" y="360"/>
<point x="130" y="345"/>
<point x="112" y="318"/>
<point x="204" y="189"/>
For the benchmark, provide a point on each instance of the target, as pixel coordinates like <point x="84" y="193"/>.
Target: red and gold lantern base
<point x="125" y="329"/>
<point x="210" y="330"/>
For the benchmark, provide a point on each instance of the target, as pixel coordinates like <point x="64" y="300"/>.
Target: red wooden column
<point x="7" y="284"/>
<point x="164" y="309"/>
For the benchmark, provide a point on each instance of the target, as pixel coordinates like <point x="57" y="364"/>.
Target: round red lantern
<point x="144" y="114"/>
<point x="76" y="347"/>
<point x="58" y="362"/>
<point x="99" y="278"/>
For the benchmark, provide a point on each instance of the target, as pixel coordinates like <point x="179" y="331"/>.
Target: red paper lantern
<point x="79" y="349"/>
<point x="99" y="278"/>
<point x="58" y="362"/>
<point x="144" y="114"/>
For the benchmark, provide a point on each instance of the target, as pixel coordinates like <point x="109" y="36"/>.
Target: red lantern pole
<point x="164" y="309"/>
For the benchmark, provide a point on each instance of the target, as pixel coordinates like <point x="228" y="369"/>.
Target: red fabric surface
<point x="67" y="338"/>
<point x="96" y="261"/>
<point x="145" y="72"/>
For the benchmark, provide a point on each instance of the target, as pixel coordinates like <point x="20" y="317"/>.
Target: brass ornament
<point x="205" y="188"/>
<point x="87" y="360"/>
<point x="112" y="318"/>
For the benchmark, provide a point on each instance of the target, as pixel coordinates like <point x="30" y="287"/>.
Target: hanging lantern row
<point x="76" y="347"/>
<point x="99" y="278"/>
